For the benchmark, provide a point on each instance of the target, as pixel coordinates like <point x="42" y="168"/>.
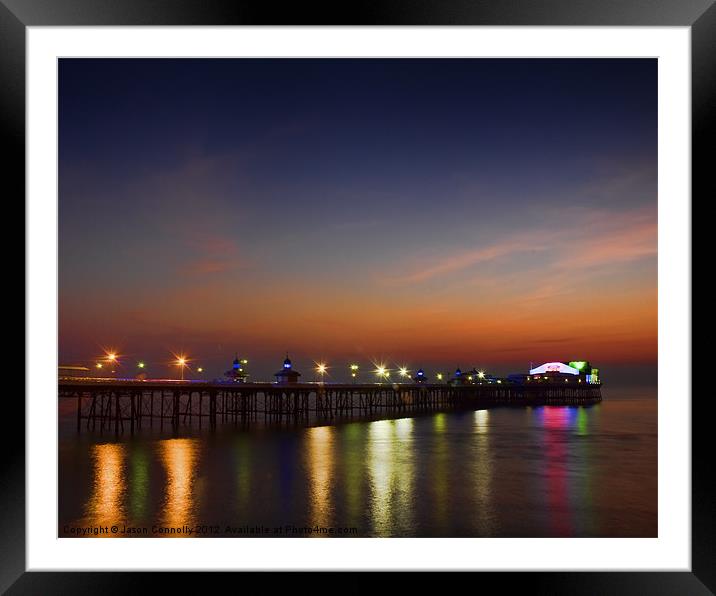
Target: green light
<point x="578" y="364"/>
<point x="141" y="365"/>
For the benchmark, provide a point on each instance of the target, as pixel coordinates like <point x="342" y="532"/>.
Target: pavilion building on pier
<point x="287" y="376"/>
<point x="236" y="373"/>
<point x="580" y="371"/>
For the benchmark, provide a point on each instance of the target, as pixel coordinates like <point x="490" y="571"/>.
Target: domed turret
<point x="287" y="375"/>
<point x="420" y="376"/>
<point x="237" y="374"/>
<point x="458" y="378"/>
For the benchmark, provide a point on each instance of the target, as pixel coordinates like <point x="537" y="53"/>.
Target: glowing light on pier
<point x="111" y="356"/>
<point x="481" y="374"/>
<point x="403" y="371"/>
<point x="140" y="365"/>
<point x="321" y="369"/>
<point x="381" y="371"/>
<point x="182" y="362"/>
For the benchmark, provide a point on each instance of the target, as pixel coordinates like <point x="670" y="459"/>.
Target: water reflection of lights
<point x="439" y="468"/>
<point x="106" y="505"/>
<point x="404" y="429"/>
<point x="582" y="428"/>
<point x="139" y="490"/>
<point x="390" y="470"/>
<point x="555" y="419"/>
<point x="482" y="418"/>
<point x="243" y="468"/>
<point x="484" y="507"/>
<point x="179" y="457"/>
<point x="320" y="463"/>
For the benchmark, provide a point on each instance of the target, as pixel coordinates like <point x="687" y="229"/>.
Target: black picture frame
<point x="16" y="15"/>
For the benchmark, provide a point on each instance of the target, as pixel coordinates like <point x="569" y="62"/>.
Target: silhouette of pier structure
<point x="129" y="405"/>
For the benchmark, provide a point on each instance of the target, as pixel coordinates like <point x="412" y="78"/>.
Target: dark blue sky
<point x="430" y="188"/>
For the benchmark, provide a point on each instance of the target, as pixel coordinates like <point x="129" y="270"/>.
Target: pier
<point x="121" y="406"/>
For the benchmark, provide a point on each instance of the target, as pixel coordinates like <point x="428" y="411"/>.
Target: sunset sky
<point x="435" y="213"/>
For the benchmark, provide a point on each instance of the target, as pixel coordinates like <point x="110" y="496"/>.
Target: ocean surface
<point x="504" y="472"/>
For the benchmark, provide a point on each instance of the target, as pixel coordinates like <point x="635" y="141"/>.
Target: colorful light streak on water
<point x="320" y="464"/>
<point x="106" y="503"/>
<point x="180" y="460"/>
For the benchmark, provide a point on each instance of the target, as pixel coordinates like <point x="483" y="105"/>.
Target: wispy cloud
<point x="577" y="240"/>
<point x="467" y="258"/>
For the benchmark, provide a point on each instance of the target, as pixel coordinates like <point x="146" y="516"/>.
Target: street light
<point x="439" y="376"/>
<point x="403" y="371"/>
<point x="354" y="370"/>
<point x="321" y="369"/>
<point x="382" y="372"/>
<point x="181" y="362"/>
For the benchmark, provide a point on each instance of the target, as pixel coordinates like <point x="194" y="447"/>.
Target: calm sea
<point x="508" y="472"/>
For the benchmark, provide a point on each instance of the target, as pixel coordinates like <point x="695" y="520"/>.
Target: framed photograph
<point x="402" y="291"/>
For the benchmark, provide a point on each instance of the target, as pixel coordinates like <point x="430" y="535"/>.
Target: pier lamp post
<point x="181" y="363"/>
<point x="439" y="376"/>
<point x="140" y="365"/>
<point x="321" y="369"/>
<point x="354" y="371"/>
<point x="112" y="360"/>
<point x="382" y="373"/>
<point x="403" y="372"/>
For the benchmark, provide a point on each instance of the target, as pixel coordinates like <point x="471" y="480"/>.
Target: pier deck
<point x="127" y="405"/>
